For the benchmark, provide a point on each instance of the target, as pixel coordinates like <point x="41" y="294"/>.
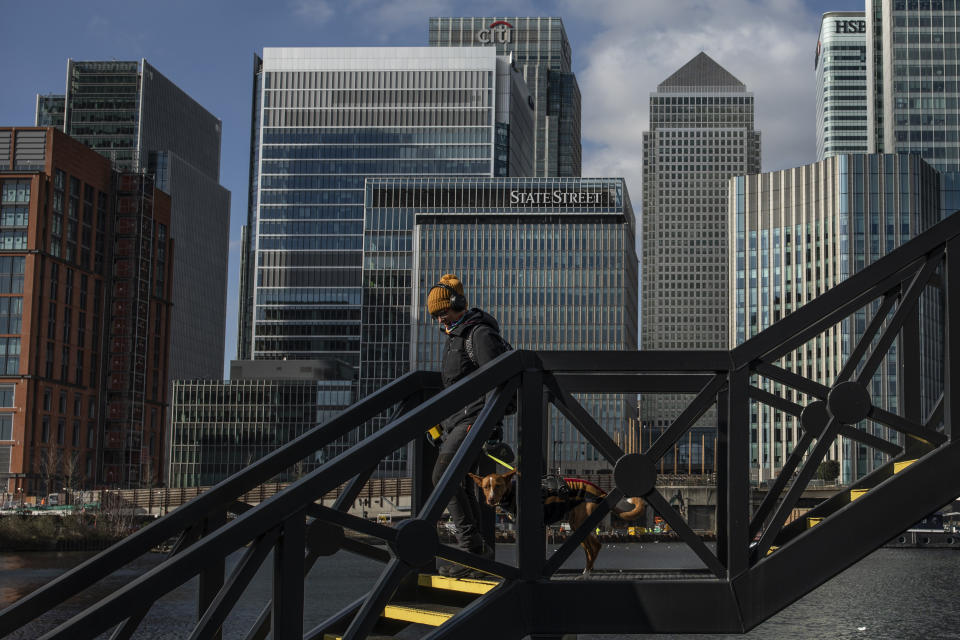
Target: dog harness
<point x="560" y="495"/>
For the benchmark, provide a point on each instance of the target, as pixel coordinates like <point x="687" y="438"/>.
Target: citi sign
<point x="500" y="32"/>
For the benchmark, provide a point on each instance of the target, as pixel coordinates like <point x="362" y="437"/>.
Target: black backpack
<point x="468" y="346"/>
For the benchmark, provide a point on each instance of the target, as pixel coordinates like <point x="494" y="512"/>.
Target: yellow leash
<point x="434" y="433"/>
<point x="499" y="461"/>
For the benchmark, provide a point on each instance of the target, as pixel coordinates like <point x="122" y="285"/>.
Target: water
<point x="894" y="593"/>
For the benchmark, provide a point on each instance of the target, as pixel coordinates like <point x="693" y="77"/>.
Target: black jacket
<point x="484" y="331"/>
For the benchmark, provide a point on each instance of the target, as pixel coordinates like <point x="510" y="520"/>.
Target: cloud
<point x="767" y="44"/>
<point x="316" y="11"/>
<point x="98" y="23"/>
<point x="392" y="22"/>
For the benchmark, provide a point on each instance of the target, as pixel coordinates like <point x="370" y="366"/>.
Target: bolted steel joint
<point x="849" y="402"/>
<point x="815" y="417"/>
<point x="417" y="542"/>
<point x="635" y="475"/>
<point x="324" y="538"/>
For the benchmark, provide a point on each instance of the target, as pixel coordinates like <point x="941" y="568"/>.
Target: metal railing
<point x="762" y="561"/>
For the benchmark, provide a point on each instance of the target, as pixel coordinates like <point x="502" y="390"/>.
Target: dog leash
<point x="499" y="461"/>
<point x="434" y="434"/>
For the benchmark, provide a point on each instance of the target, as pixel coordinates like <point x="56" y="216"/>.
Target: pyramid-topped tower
<point x="701" y="134"/>
<point x="702" y="71"/>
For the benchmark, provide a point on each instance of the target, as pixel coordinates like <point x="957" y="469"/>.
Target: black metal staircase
<point x="761" y="562"/>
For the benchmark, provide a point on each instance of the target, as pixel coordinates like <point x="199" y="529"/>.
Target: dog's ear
<point x="509" y="474"/>
<point x="476" y="479"/>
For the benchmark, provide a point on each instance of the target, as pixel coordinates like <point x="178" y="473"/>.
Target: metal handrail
<point x="747" y="585"/>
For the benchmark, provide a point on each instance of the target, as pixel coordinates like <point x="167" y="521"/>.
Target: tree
<point x="71" y="470"/>
<point x="50" y="469"/>
<point x="828" y="470"/>
<point x="117" y="516"/>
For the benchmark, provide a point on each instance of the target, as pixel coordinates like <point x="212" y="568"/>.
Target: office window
<point x="6" y="426"/>
<point x="48" y="365"/>
<point x="11" y="314"/>
<point x="15" y="191"/>
<point x="9" y="356"/>
<point x="11" y="274"/>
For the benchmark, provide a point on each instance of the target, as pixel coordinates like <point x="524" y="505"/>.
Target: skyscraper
<point x="553" y="259"/>
<point x="326" y="119"/>
<point x="841" y="70"/>
<point x="85" y="284"/>
<point x="701" y="133"/>
<point x="129" y="112"/>
<point x="798" y="232"/>
<point x="543" y="54"/>
<point x="913" y="80"/>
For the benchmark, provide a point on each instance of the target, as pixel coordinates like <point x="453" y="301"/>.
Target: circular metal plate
<point x="417" y="542"/>
<point x="814" y="417"/>
<point x="849" y="402"/>
<point x="635" y="475"/>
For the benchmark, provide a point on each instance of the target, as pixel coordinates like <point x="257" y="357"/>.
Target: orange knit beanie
<point x="439" y="297"/>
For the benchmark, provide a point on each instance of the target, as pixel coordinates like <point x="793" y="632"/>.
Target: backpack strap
<point x="469" y="347"/>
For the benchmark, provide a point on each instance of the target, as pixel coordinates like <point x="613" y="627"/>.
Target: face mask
<point x="451" y="327"/>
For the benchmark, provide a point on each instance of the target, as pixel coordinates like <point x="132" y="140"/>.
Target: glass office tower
<point x="913" y="80"/>
<point x="701" y="134"/>
<point x="325" y="119"/>
<point x="553" y="259"/>
<point x="221" y="427"/>
<point x="795" y="234"/>
<point x="841" y="70"/>
<point x="129" y="112"/>
<point x="50" y="110"/>
<point x="543" y="54"/>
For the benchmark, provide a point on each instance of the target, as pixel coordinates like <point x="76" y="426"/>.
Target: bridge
<point x="760" y="564"/>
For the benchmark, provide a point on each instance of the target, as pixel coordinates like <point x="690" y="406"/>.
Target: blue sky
<point x="621" y="50"/>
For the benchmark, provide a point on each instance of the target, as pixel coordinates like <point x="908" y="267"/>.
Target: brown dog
<point x="499" y="490"/>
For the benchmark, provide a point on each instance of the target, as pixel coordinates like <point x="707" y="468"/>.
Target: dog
<point x="582" y="499"/>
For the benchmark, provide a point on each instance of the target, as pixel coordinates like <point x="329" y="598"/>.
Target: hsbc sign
<point x="499" y="32"/>
<point x="850" y="26"/>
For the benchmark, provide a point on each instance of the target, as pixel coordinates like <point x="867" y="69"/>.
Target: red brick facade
<point x="75" y="355"/>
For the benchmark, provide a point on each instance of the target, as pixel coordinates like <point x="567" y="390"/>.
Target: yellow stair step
<point x="462" y="585"/>
<point x="812" y="522"/>
<point x="433" y="615"/>
<point x="857" y="493"/>
<point x="772" y="549"/>
<point x="903" y="464"/>
<point x="337" y="636"/>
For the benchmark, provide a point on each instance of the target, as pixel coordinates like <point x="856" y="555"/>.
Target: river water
<point x="893" y="593"/>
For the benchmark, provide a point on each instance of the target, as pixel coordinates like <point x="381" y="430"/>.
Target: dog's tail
<point x="639" y="507"/>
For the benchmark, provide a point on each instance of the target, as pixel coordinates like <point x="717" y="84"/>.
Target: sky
<point x="621" y="50"/>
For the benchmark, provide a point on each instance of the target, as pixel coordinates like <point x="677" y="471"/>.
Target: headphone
<point x="457" y="301"/>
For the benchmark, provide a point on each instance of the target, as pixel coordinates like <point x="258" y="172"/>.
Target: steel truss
<point x="761" y="562"/>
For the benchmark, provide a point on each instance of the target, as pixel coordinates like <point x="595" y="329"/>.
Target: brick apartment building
<point x="85" y="279"/>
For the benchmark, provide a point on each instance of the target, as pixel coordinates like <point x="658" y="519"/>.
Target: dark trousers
<point x="464" y="508"/>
